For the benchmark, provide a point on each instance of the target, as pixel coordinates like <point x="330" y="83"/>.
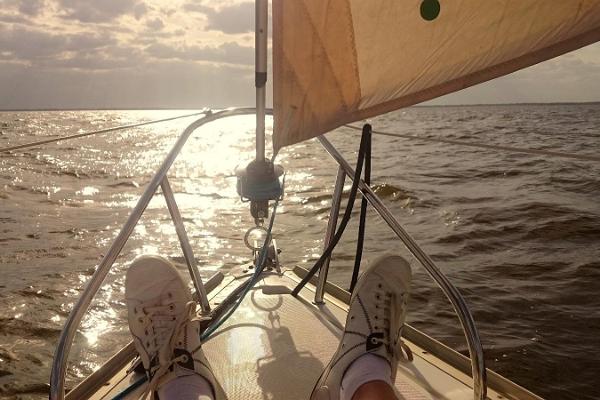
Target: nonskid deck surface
<point x="275" y="346"/>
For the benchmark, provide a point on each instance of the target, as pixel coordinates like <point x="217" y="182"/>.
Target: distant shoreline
<point x="217" y="108"/>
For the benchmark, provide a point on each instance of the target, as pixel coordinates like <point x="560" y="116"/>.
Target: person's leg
<point x="192" y="387"/>
<point x="364" y="365"/>
<point x="367" y="375"/>
<point x="375" y="390"/>
<point x="166" y="332"/>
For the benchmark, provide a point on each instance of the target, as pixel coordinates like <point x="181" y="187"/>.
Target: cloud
<point x="155" y="24"/>
<point x="231" y="19"/>
<point x="230" y="52"/>
<point x="12" y="18"/>
<point x="77" y="53"/>
<point x="31" y="7"/>
<point x="101" y="11"/>
<point x="35" y="45"/>
<point x="139" y="10"/>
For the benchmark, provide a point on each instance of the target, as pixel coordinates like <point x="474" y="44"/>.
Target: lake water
<point x="518" y="234"/>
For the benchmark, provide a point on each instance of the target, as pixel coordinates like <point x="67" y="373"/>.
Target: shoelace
<point x="392" y="326"/>
<point x="164" y="338"/>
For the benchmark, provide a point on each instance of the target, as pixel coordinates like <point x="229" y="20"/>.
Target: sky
<point x="62" y="54"/>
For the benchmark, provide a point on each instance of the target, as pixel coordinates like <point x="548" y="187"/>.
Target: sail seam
<point x="321" y="43"/>
<point x="354" y="53"/>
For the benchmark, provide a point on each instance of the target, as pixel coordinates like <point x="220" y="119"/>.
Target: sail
<point x="338" y="61"/>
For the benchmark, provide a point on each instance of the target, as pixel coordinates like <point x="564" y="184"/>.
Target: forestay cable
<point x="107" y="130"/>
<point x="485" y="146"/>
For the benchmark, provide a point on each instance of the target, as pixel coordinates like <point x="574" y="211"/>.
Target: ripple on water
<point x="517" y="234"/>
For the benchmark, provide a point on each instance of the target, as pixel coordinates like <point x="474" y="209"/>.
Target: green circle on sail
<point x="430" y="9"/>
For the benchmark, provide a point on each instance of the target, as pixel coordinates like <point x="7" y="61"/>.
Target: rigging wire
<point x="485" y="146"/>
<point x="107" y="130"/>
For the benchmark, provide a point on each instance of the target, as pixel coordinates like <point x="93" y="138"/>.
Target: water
<point x="518" y="234"/>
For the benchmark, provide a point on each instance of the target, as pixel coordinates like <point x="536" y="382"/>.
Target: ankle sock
<point x="190" y="387"/>
<point x="366" y="368"/>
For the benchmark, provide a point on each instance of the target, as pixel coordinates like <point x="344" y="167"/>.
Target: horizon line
<point x="218" y="108"/>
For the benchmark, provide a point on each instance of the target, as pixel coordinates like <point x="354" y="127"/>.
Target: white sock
<point x="190" y="387"/>
<point x="366" y="368"/>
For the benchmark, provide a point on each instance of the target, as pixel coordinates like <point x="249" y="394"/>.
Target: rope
<point x="347" y="214"/>
<point x="486" y="146"/>
<point x="363" y="214"/>
<point x="206" y="335"/>
<point x="258" y="269"/>
<point x="123" y="394"/>
<point x="107" y="130"/>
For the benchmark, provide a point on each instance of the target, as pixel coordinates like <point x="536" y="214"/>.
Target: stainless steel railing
<point x="331" y="225"/>
<point x="449" y="290"/>
<point x="59" y="364"/>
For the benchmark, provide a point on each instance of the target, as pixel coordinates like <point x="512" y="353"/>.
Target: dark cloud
<point x="168" y="11"/>
<point x="27" y="44"/>
<point x="139" y="10"/>
<point x="19" y="11"/>
<point x="231" y="53"/>
<point x="31" y="7"/>
<point x="101" y="10"/>
<point x="236" y="18"/>
<point x="33" y="45"/>
<point x="194" y="6"/>
<point x="155" y="24"/>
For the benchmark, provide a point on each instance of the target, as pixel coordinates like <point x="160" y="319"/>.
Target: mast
<point x="260" y="49"/>
<point x="259" y="182"/>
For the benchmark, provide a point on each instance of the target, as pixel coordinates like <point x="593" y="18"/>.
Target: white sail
<point x="338" y="61"/>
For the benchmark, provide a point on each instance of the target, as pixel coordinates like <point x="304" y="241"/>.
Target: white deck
<point x="275" y="347"/>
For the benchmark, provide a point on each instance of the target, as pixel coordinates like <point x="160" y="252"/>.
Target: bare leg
<point x="375" y="390"/>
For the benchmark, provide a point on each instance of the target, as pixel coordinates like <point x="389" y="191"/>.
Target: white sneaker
<point x="163" y="322"/>
<point x="373" y="325"/>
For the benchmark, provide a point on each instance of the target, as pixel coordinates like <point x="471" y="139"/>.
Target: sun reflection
<point x="97" y="323"/>
<point x="219" y="147"/>
<point x="88" y="191"/>
<point x="240" y="340"/>
<point x="148" y="249"/>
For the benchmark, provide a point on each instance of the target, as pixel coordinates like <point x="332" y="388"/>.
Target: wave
<point x="27" y="329"/>
<point x="387" y="190"/>
<point x="577" y="228"/>
<point x="132" y="184"/>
